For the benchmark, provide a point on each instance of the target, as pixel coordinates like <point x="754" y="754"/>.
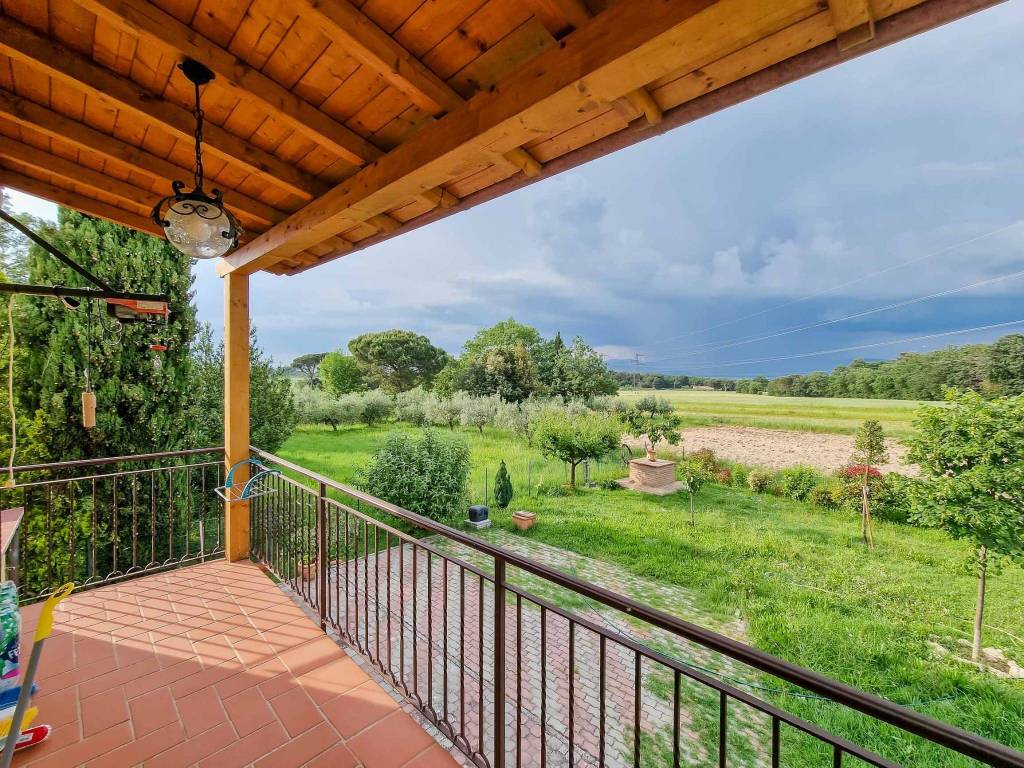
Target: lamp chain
<point x="198" y="113"/>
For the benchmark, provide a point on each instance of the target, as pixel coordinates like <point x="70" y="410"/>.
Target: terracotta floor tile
<point x="151" y="711"/>
<point x="391" y="742"/>
<point x="103" y="710"/>
<point x="298" y="751"/>
<point x="296" y="711"/>
<point x="201" y="711"/>
<point x="194" y="748"/>
<point x="359" y="708"/>
<point x="89" y="750"/>
<point x="250" y="748"/>
<point x="333" y="679"/>
<point x="248" y="711"/>
<point x="338" y="756"/>
<point x="141" y="750"/>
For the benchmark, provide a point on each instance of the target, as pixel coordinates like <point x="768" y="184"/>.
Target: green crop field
<point x="797" y="576"/>
<point x="806" y="414"/>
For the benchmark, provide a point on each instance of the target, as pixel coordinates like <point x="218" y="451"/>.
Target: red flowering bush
<point x="857" y="470"/>
<point x="724" y="477"/>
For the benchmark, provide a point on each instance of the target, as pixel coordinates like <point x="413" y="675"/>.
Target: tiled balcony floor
<point x="210" y="665"/>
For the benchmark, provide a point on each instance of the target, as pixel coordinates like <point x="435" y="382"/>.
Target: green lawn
<point x="799" y="577"/>
<point x="808" y="414"/>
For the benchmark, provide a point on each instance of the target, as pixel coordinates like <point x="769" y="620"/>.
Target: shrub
<point x="739" y="476"/>
<point x="443" y="412"/>
<point x="502" y="487"/>
<point x="706" y="459"/>
<point x="724" y="477"/>
<point x="797" y="482"/>
<point x="760" y="480"/>
<point x="424" y="473"/>
<point x="609" y="485"/>
<point x="367" y="408"/>
<point x="891" y="498"/>
<point x="693" y="476"/>
<point x="555" y="490"/>
<point x="314" y="406"/>
<point x="827" y="495"/>
<point x="411" y="407"/>
<point x="477" y="411"/>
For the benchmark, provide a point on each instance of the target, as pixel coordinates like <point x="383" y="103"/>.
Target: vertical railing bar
<point x="152" y="518"/>
<point x="723" y="725"/>
<point x="348" y="609"/>
<point x="444" y="637"/>
<point x="572" y="689"/>
<point x="499" y="662"/>
<point x="430" y="632"/>
<point x="519" y="681"/>
<point x="637" y="701"/>
<point x="376" y="592"/>
<point x="387" y="543"/>
<point x="135" y="521"/>
<point x="602" y="689"/>
<point x="675" y="719"/>
<point x="480" y="663"/>
<point x="837" y="756"/>
<point x="322" y="553"/>
<point x="462" y="653"/>
<point x="92" y="537"/>
<point x="73" y="532"/>
<point x="415" y="626"/>
<point x="366" y="588"/>
<point x="114" y="541"/>
<point x="543" y="686"/>
<point x="401" y="614"/>
<point x="776" y="747"/>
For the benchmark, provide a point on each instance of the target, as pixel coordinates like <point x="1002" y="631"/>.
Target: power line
<point x="837" y="350"/>
<point x="860" y="279"/>
<point x="715" y="347"/>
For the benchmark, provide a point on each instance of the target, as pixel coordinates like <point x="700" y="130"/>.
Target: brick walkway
<point x="210" y="665"/>
<point x="433" y="644"/>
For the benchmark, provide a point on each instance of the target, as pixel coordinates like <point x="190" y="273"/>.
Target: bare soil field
<point x="780" y="448"/>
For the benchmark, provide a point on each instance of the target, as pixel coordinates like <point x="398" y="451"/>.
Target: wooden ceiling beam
<point x="81" y="203"/>
<point x="346" y="25"/>
<point x="55" y="125"/>
<point x="628" y="45"/>
<point x="854" y="22"/>
<point x="439" y="197"/>
<point x="152" y="26"/>
<point x="72" y="69"/>
<point x="575" y="14"/>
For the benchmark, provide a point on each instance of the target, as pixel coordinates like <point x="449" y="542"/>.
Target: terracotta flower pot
<point x="524" y="520"/>
<point x="652" y="454"/>
<point x="308" y="571"/>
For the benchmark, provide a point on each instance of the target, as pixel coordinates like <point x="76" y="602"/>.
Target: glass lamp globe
<point x="198" y="229"/>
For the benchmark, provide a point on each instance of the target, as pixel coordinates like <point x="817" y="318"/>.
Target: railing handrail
<point x="947" y="735"/>
<point x="116" y="459"/>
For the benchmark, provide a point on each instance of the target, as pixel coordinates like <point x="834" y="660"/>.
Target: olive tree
<point x="654" y="418"/>
<point x="971" y="452"/>
<point x="575" y="438"/>
<point x="868" y="451"/>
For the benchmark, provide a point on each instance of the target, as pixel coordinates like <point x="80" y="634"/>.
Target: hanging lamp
<point x="195" y="223"/>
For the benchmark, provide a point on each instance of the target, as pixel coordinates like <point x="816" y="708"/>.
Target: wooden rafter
<point x="627" y="45"/>
<point x="575" y="14"/>
<point x="54" y="125"/>
<point x="76" y="71"/>
<point x="155" y="27"/>
<point x="853" y="21"/>
<point x="81" y="203"/>
<point x="347" y="26"/>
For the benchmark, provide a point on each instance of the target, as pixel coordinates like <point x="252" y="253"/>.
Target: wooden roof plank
<point x="156" y="27"/>
<point x="361" y="38"/>
<point x="86" y="205"/>
<point x="120" y="93"/>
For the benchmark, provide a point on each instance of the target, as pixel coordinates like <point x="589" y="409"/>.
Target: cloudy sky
<point x="734" y="246"/>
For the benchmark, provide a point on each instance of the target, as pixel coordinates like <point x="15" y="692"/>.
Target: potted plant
<point x="304" y="546"/>
<point x="654" y="418"/>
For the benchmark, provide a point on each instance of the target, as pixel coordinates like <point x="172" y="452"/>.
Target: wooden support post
<point x="236" y="408"/>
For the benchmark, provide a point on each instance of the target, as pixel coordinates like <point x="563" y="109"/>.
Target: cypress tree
<point x="502" y="487"/>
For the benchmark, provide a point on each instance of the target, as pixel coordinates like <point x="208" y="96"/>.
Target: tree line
<point x="508" y="360"/>
<point x="988" y="369"/>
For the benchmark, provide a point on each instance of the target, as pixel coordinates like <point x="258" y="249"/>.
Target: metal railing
<point x="525" y="678"/>
<point x="95" y="521"/>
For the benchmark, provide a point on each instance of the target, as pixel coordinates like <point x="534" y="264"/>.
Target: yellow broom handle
<point x="45" y="625"/>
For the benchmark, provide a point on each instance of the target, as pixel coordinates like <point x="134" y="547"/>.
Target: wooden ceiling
<point x="335" y="124"/>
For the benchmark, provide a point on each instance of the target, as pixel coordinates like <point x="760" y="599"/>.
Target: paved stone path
<point x="427" y="621"/>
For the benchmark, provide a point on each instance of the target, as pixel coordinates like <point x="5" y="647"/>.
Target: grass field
<point x="799" y="577"/>
<point x="840" y="415"/>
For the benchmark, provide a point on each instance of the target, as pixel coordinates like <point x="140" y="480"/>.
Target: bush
<point x="891" y="498"/>
<point x="314" y="406"/>
<point x="411" y="407"/>
<point x="555" y="490"/>
<point x="739" y="476"/>
<point x="575" y="439"/>
<point x="706" y="459"/>
<point x="443" y="412"/>
<point x="827" y="495"/>
<point x="477" y="411"/>
<point x="760" y="480"/>
<point x="609" y="485"/>
<point x="723" y="477"/>
<point x="502" y="487"/>
<point x="797" y="482"/>
<point x="367" y="408"/>
<point x="425" y="473"/>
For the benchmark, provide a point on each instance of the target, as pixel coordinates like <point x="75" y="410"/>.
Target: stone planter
<point x="524" y="520"/>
